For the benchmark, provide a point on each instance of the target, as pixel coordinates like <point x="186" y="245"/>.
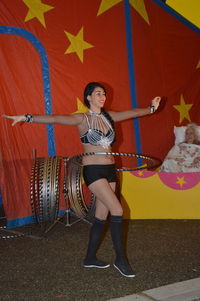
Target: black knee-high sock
<point x="116" y="223"/>
<point x="96" y="232"/>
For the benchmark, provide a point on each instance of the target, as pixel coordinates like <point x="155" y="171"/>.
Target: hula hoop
<point x="45" y="178"/>
<point x="74" y="175"/>
<point x="75" y="195"/>
<point x="153" y="161"/>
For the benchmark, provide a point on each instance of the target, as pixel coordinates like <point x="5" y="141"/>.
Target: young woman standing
<point x="97" y="134"/>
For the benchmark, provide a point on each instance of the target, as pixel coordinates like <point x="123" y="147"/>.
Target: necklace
<point x="100" y="131"/>
<point x="94" y="113"/>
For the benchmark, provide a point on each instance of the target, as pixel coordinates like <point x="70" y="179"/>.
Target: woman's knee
<point x="101" y="210"/>
<point x="117" y="211"/>
<point x="101" y="215"/>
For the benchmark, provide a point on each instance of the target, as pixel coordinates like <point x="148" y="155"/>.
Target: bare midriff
<point x="97" y="159"/>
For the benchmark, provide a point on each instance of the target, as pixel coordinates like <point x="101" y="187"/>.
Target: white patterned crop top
<point x="100" y="131"/>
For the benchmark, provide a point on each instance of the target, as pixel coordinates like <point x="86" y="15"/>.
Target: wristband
<point x="152" y="109"/>
<point x="28" y="118"/>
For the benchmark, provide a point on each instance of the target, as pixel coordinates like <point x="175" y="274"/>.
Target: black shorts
<point x="92" y="173"/>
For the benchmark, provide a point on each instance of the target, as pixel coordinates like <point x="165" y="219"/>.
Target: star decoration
<point x="81" y="107"/>
<point x="77" y="44"/>
<point x="198" y="65"/>
<point x="106" y="5"/>
<point x="37" y="10"/>
<point x="140" y="173"/>
<point x="183" y="109"/>
<point x="189" y="10"/>
<point x="181" y="181"/>
<point x="139" y="6"/>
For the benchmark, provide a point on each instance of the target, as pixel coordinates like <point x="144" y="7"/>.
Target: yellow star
<point x="140" y="173"/>
<point x="183" y="109"/>
<point x="77" y="44"/>
<point x="81" y="107"/>
<point x="36" y="10"/>
<point x="181" y="181"/>
<point x="107" y="4"/>
<point x="198" y="65"/>
<point x="188" y="9"/>
<point x="139" y="6"/>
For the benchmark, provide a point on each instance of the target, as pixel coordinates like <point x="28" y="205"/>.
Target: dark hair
<point x="89" y="89"/>
<point x="109" y="118"/>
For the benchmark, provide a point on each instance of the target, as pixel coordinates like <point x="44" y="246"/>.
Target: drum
<point x="48" y="181"/>
<point x="45" y="189"/>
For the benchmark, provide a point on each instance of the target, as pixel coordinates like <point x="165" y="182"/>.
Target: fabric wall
<point x="49" y="51"/>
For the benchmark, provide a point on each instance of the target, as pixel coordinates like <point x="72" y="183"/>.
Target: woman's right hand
<point x="15" y="119"/>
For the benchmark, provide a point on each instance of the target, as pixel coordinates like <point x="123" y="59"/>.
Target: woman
<point x="191" y="134"/>
<point x="184" y="156"/>
<point x="97" y="134"/>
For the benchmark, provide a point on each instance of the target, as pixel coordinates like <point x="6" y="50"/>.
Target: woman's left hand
<point x="155" y="102"/>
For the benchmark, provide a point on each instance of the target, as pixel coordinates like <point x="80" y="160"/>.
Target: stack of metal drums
<point x="53" y="178"/>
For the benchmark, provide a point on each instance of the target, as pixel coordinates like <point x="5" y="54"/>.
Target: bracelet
<point x="152" y="109"/>
<point x="28" y="118"/>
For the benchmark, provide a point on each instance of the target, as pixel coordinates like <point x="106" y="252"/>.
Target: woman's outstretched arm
<point x="138" y="112"/>
<point x="74" y="119"/>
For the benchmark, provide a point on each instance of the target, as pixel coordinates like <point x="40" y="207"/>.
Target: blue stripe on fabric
<point x="45" y="76"/>
<point x="175" y="14"/>
<point x="131" y="73"/>
<point x="61" y="212"/>
<point x="20" y="222"/>
<point x="26" y="220"/>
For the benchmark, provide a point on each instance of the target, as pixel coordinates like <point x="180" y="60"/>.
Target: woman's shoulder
<point x="79" y="117"/>
<point x="109" y="113"/>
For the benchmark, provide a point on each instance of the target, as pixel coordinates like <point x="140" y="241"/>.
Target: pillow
<point x="179" y="132"/>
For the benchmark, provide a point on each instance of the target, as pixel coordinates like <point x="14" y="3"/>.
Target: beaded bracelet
<point x="28" y="118"/>
<point x="152" y="109"/>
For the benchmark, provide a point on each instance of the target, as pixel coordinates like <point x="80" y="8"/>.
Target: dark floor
<point x="49" y="267"/>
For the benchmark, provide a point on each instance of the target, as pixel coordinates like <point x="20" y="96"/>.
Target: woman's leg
<point x="96" y="232"/>
<point x="98" y="226"/>
<point x="121" y="262"/>
<point x="107" y="201"/>
<point x="107" y="198"/>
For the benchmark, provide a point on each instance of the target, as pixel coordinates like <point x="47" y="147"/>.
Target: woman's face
<point x="190" y="135"/>
<point x="97" y="99"/>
